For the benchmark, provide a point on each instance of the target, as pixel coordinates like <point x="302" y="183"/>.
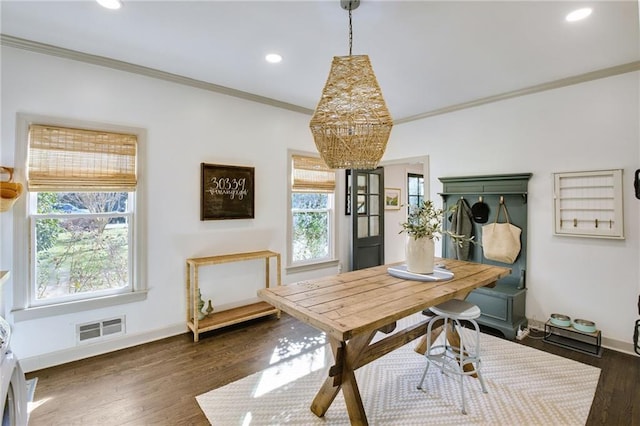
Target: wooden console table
<point x="230" y="316"/>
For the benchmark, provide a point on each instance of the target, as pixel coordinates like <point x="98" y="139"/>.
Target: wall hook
<point x="502" y="199"/>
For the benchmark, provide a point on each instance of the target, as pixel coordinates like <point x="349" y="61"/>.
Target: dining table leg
<point x="342" y="377"/>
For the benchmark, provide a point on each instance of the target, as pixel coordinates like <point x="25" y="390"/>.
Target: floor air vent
<point x="100" y="329"/>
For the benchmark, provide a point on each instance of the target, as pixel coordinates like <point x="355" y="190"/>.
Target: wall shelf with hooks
<point x="589" y="204"/>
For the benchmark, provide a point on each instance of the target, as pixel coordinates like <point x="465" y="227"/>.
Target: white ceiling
<point x="426" y="55"/>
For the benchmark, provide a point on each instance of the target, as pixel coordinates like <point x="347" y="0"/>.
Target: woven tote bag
<point x="501" y="241"/>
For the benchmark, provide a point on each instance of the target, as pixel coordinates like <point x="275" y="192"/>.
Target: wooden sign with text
<point x="227" y="192"/>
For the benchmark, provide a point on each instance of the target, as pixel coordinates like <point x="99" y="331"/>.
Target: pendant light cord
<point x="350" y="31"/>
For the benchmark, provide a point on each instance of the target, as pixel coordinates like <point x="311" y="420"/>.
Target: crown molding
<point x="34" y="46"/>
<point x="47" y="49"/>
<point x="550" y="85"/>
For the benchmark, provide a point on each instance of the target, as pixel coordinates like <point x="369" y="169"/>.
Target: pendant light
<point x="351" y="124"/>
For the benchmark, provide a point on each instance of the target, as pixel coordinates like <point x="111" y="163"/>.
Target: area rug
<point x="525" y="386"/>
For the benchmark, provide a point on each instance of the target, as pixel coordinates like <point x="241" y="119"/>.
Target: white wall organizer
<point x="589" y="204"/>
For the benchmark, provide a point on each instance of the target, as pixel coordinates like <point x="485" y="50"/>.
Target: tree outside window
<point x="82" y="244"/>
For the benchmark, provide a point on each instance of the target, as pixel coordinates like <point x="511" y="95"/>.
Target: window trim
<point x="332" y="258"/>
<point x="21" y="309"/>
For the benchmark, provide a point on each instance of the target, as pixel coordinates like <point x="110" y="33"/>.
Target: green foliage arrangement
<point x="425" y="220"/>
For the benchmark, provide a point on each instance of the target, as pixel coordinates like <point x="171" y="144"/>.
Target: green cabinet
<point x="502" y="306"/>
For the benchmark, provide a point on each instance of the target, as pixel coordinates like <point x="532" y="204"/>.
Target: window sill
<point x="77" y="306"/>
<point x="312" y="266"/>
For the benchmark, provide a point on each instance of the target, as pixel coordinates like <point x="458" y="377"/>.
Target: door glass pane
<point x="362" y="204"/>
<point x="363" y="229"/>
<point x="374" y="183"/>
<point x="374" y="221"/>
<point x="374" y="203"/>
<point x="362" y="184"/>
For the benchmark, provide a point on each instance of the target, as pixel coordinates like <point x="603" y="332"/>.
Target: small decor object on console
<point x="227" y="192"/>
<point x="201" y="314"/>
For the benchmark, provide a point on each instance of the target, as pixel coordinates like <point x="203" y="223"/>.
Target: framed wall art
<point x="226" y="192"/>
<point x="392" y="198"/>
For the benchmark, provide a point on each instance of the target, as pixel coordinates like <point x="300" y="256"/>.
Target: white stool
<point x="452" y="359"/>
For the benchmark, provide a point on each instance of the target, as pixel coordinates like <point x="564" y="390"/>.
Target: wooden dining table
<point x="352" y="307"/>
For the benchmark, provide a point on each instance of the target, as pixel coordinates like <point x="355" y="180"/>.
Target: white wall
<point x="185" y="126"/>
<point x="591" y="126"/>
<point x="588" y="126"/>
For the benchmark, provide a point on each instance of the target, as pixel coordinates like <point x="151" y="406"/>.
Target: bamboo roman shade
<point x="66" y="159"/>
<point x="311" y="174"/>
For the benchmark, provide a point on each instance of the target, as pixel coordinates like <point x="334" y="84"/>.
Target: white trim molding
<point x="34" y="46"/>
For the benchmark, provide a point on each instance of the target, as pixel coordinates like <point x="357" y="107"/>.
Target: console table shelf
<point x="230" y="316"/>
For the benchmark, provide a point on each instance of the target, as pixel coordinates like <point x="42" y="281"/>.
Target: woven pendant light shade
<point x="351" y="124"/>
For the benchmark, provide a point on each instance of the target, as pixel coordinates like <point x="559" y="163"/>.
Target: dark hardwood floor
<point x="156" y="383"/>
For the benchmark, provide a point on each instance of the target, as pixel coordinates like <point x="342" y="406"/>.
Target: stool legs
<point x="451" y="359"/>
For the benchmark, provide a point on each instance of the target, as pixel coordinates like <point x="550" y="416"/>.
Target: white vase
<point x="419" y="254"/>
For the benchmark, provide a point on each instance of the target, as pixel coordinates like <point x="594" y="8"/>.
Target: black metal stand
<point x="569" y="337"/>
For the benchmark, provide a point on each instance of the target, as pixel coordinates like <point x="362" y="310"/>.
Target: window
<point x="81" y="212"/>
<point x="415" y="189"/>
<point x="81" y="245"/>
<point x="312" y="229"/>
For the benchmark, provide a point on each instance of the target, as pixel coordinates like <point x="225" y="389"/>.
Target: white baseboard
<point x="619" y="346"/>
<point x="88" y="350"/>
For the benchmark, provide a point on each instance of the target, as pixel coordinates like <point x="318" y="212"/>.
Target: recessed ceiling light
<point x="579" y="14"/>
<point x="110" y="4"/>
<point x="273" y="58"/>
